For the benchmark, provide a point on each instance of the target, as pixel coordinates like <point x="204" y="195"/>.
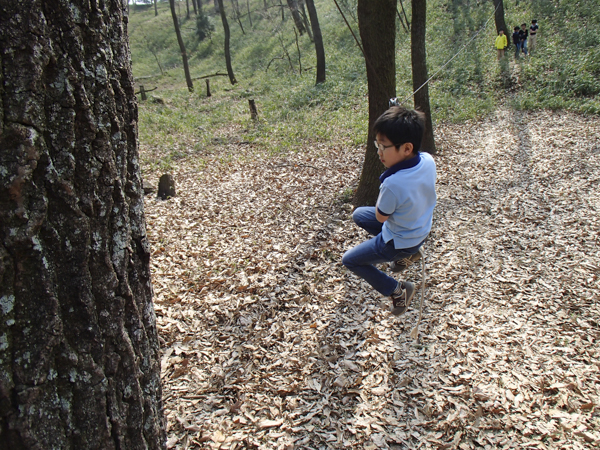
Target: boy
<point x="523" y="33"/>
<point x="402" y="218"/>
<point x="516" y="37"/>
<point x="533" y="28"/>
<point x="501" y="43"/>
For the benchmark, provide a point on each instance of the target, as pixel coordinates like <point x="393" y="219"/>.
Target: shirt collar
<point x="406" y="164"/>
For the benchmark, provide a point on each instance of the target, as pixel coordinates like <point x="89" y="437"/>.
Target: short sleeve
<point x="387" y="201"/>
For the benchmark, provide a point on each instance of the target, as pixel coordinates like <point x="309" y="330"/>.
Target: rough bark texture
<point x="79" y="356"/>
<point x="419" y="70"/>
<point x="186" y="68"/>
<point x="377" y="25"/>
<point x="227" y="38"/>
<point x="318" y="38"/>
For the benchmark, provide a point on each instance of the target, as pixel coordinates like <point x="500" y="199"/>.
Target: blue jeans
<point x="360" y="260"/>
<point x="524" y="46"/>
<point x="517" y="49"/>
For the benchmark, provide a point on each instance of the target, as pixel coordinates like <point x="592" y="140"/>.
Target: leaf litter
<point x="268" y="342"/>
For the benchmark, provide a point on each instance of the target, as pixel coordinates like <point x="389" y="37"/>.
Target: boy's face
<point x="390" y="154"/>
<point x="523" y="27"/>
<point x="501" y="32"/>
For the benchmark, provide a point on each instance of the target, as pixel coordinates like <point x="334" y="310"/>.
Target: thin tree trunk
<point x="249" y="15"/>
<point x="293" y="5"/>
<point x="186" y="68"/>
<point x="377" y="25"/>
<point x="307" y="25"/>
<point x="195" y="7"/>
<point x="319" y="48"/>
<point x="79" y="352"/>
<point x="187" y="7"/>
<point x="404" y="13"/>
<point x="227" y="37"/>
<point x="155" y="8"/>
<point x="419" y="70"/>
<point x="236" y="10"/>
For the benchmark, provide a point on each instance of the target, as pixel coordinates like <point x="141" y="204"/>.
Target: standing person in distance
<point x="501" y="44"/>
<point x="516" y="37"/>
<point x="523" y="34"/>
<point x="402" y="218"/>
<point x="533" y="30"/>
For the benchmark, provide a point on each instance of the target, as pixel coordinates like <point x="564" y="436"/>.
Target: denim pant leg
<point x="517" y="50"/>
<point x="364" y="217"/>
<point x="361" y="259"/>
<point x="524" y="46"/>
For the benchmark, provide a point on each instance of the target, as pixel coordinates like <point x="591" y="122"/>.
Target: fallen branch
<point x="218" y="74"/>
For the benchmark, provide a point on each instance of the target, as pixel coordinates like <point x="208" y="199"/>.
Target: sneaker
<point x="402" y="302"/>
<point x="402" y="264"/>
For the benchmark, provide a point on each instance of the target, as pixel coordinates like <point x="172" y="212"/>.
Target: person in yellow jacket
<point x="501" y="44"/>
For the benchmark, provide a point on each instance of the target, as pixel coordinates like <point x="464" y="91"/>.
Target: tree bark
<point x="293" y="5"/>
<point x="499" y="19"/>
<point x="227" y="38"/>
<point x="186" y="68"/>
<point x="187" y="6"/>
<point x="155" y="8"/>
<point x="377" y="25"/>
<point x="318" y="37"/>
<point x="419" y="70"/>
<point x="79" y="354"/>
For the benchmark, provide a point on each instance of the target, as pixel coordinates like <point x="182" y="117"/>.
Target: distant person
<point x="516" y="37"/>
<point x="501" y="44"/>
<point x="523" y="33"/>
<point x="402" y="218"/>
<point x="533" y="29"/>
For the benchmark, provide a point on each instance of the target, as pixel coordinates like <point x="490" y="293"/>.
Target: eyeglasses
<point x="381" y="146"/>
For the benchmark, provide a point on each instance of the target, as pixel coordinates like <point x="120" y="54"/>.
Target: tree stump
<point x="253" y="110"/>
<point x="207" y="87"/>
<point x="142" y="93"/>
<point x="166" y="187"/>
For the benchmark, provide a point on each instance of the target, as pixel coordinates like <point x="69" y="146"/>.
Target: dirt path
<point x="270" y="343"/>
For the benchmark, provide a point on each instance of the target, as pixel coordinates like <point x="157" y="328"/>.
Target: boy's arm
<point x="380" y="217"/>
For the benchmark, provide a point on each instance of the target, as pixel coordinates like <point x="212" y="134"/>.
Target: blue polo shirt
<point x="407" y="196"/>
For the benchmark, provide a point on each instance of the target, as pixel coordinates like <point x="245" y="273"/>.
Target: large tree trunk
<point x="227" y="38"/>
<point x="377" y="25"/>
<point x="419" y="70"/>
<point x="79" y="355"/>
<point x="499" y="19"/>
<point x="186" y="68"/>
<point x="318" y="37"/>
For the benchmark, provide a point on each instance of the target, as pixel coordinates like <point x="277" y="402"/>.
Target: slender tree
<point x="186" y="68"/>
<point x="318" y="37"/>
<point x="377" y="25"/>
<point x="227" y="38"/>
<point x="79" y="354"/>
<point x="155" y="8"/>
<point x="293" y="5"/>
<point x="419" y="70"/>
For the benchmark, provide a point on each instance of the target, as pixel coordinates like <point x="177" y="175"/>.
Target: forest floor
<point x="269" y="342"/>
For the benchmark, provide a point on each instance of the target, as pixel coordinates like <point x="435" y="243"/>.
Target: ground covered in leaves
<point x="268" y="342"/>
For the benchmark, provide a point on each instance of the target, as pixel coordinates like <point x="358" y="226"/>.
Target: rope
<point x="415" y="331"/>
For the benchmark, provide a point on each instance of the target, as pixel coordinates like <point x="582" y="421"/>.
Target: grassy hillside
<point x="294" y="112"/>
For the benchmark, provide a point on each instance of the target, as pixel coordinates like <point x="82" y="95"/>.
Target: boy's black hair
<point x="401" y="125"/>
<point x="523" y="24"/>
<point x="517" y="28"/>
<point x="534" y="21"/>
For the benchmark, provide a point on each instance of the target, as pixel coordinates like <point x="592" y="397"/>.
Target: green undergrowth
<point x="278" y="72"/>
